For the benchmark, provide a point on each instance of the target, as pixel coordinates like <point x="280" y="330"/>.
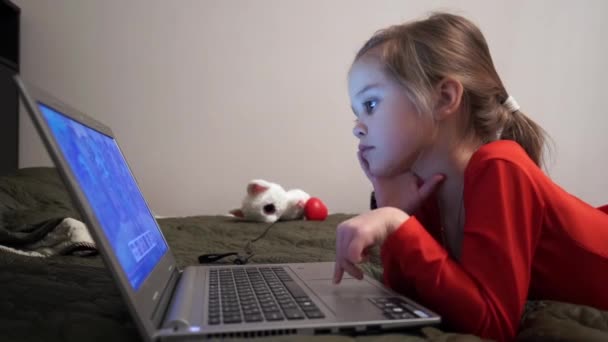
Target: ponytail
<point x="527" y="133"/>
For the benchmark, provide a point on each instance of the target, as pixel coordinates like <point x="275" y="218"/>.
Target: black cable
<point x="248" y="245"/>
<point x="240" y="259"/>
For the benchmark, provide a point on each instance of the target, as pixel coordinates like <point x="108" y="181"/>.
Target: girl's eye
<point x="370" y="106"/>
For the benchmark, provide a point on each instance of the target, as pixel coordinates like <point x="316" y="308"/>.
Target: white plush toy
<point x="269" y="202"/>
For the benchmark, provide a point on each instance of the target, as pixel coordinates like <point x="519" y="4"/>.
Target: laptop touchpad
<point x="347" y="288"/>
<point x="349" y="299"/>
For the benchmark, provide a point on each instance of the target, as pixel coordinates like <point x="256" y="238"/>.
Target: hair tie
<point x="511" y="104"/>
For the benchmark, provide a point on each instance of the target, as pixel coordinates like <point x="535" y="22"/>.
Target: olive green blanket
<point x="73" y="298"/>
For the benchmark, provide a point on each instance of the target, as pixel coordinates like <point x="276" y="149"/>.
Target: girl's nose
<point x="359" y="130"/>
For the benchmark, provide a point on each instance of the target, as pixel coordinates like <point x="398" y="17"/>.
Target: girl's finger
<point x="354" y="252"/>
<point x="351" y="269"/>
<point x="341" y="233"/>
<point x="338" y="272"/>
<point x="429" y="186"/>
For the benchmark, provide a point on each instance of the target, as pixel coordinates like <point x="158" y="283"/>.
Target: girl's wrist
<point x="396" y="217"/>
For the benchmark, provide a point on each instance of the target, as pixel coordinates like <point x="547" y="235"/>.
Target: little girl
<point x="469" y="224"/>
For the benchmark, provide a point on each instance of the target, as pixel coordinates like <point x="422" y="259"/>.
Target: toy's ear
<point x="237" y="213"/>
<point x="254" y="188"/>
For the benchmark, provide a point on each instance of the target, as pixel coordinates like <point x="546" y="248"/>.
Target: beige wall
<point x="206" y="95"/>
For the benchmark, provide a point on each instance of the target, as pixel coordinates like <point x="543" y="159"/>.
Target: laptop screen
<point x="106" y="181"/>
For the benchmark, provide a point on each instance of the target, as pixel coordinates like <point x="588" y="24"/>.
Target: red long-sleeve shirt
<point x="524" y="237"/>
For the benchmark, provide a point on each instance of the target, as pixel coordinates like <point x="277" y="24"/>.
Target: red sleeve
<point x="604" y="208"/>
<point x="484" y="293"/>
<point x="428" y="216"/>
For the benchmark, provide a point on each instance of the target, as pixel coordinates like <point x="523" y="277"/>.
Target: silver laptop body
<point x="197" y="302"/>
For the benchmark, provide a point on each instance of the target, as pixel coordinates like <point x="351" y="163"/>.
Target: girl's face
<point x="392" y="134"/>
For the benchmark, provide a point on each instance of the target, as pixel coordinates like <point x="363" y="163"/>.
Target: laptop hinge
<point x="163" y="302"/>
<point x="179" y="312"/>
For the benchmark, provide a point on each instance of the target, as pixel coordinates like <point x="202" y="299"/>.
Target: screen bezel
<point x="143" y="303"/>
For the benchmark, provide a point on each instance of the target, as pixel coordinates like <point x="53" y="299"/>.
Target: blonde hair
<point x="421" y="53"/>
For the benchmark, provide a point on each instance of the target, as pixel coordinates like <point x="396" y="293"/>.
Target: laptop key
<point x="399" y="315"/>
<point x="314" y="314"/>
<point x="251" y="311"/>
<point x="271" y="309"/>
<point x="273" y="316"/>
<point x="249" y="306"/>
<point x="407" y="315"/>
<point x="236" y="318"/>
<point x="253" y="317"/>
<point x="293" y="314"/>
<point x="288" y="305"/>
<point x="306" y="304"/>
<point x="295" y="289"/>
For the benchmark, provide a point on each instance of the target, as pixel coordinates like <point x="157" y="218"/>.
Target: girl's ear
<point x="449" y="97"/>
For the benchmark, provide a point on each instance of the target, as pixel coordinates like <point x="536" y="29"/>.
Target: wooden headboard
<point x="9" y="100"/>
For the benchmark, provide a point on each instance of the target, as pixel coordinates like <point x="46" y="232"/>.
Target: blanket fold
<point x="56" y="236"/>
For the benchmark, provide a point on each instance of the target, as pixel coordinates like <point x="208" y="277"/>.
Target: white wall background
<point x="205" y="95"/>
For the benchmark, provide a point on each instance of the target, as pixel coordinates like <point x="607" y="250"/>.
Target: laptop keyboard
<point x="257" y="294"/>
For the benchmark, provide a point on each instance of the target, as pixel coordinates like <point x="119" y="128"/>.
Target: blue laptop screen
<point x="104" y="178"/>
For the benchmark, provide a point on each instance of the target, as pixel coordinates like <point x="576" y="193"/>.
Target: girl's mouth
<point x="364" y="148"/>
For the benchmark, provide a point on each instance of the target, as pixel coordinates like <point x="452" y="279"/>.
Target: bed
<point x="65" y="293"/>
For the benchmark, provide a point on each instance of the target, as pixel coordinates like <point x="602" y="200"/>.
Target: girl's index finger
<point x="338" y="273"/>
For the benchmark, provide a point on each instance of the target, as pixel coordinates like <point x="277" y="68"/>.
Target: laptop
<point x="198" y="302"/>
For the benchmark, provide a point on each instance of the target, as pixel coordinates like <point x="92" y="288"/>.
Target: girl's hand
<point x="354" y="238"/>
<point x="405" y="191"/>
